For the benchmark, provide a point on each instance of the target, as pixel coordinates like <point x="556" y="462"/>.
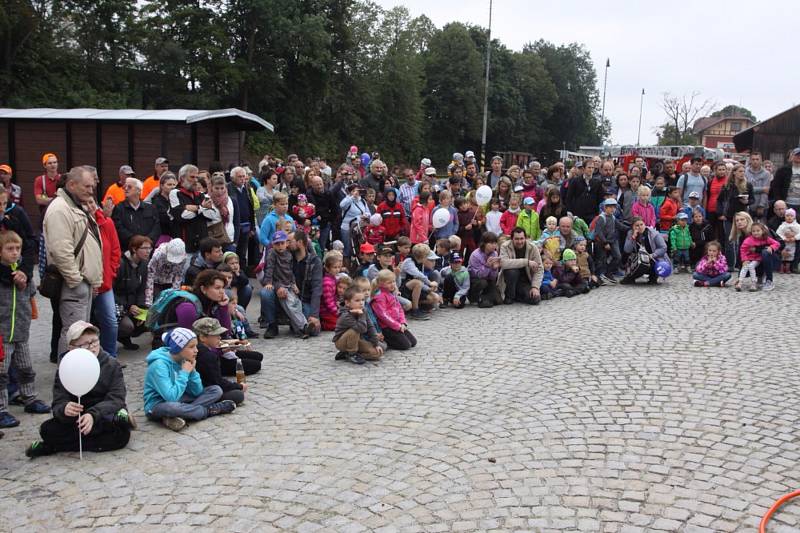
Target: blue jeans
<point x="682" y="258"/>
<point x="769" y="262"/>
<point x="105" y="317"/>
<point x="324" y="234"/>
<point x="245" y="294"/>
<point x="188" y="407"/>
<point x="345" y="238"/>
<point x="712" y="281"/>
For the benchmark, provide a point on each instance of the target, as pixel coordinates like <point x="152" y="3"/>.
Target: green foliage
<point x="669" y="136"/>
<point x="734" y="111"/>
<point x="327" y="73"/>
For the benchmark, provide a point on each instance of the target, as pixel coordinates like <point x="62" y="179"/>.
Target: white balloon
<point x="440" y="218"/>
<point x="79" y="371"/>
<point x="483" y="195"/>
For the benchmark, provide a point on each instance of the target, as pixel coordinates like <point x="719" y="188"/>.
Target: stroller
<point x="357" y="238"/>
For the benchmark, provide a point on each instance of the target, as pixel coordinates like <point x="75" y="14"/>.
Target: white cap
<point x="176" y="251"/>
<point x="430" y="171"/>
<point x="425" y="162"/>
<point x="469" y="154"/>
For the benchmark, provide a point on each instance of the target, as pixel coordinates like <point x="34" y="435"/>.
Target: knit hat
<point x="568" y="255"/>
<point x="177" y="339"/>
<point x="176" y="251"/>
<point x="579" y="238"/>
<point x="376" y="219"/>
<point x="792" y="212"/>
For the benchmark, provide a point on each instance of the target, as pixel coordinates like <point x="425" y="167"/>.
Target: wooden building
<point x="110" y="138"/>
<point x="773" y="137"/>
<point x="718" y="132"/>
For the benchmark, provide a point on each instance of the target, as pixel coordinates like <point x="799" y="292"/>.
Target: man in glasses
<point x="101" y="416"/>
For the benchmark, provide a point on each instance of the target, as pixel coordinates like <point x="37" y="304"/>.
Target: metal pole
<point x="605" y="82"/>
<point x="486" y="91"/>
<point x="641" y="105"/>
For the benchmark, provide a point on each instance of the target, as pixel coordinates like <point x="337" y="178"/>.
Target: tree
<point x="681" y="113"/>
<point x="734" y="111"/>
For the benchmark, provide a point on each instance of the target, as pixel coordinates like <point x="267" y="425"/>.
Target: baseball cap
<point x="528" y="201"/>
<point x="432" y="257"/>
<point x="385" y="250"/>
<point x="682" y="215"/>
<point x="208" y="326"/>
<point x="430" y="171"/>
<point x="425" y="162"/>
<point x="126" y="169"/>
<point x="694" y="194"/>
<point x="162" y="160"/>
<point x="609" y="201"/>
<point x="458" y="156"/>
<point x="79" y="328"/>
<point x="469" y="155"/>
<point x="455" y="257"/>
<point x="7" y="169"/>
<point x="176" y="251"/>
<point x="280" y="236"/>
<point x="366" y="248"/>
<point x="177" y="339"/>
<point x="796" y="151"/>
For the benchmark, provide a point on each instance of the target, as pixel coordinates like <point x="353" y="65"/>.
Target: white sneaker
<point x="768" y="286"/>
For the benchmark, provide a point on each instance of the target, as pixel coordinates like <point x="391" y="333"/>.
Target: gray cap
<point x="127" y="170"/>
<point x="161" y="160"/>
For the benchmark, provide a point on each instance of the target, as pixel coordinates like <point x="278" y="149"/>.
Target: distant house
<point x="718" y="132"/>
<point x="110" y="138"/>
<point x="773" y="137"/>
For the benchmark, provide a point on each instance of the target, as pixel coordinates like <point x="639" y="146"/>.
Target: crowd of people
<point x="359" y="250"/>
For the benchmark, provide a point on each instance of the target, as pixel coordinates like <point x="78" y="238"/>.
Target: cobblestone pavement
<point x="517" y="418"/>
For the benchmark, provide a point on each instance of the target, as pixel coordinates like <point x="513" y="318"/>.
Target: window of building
<point x="736" y="127"/>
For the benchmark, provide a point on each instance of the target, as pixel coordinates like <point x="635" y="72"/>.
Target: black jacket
<point x="209" y="369"/>
<point x="165" y="221"/>
<point x="191" y="230"/>
<point x="105" y="399"/>
<point x="583" y="199"/>
<point x="16" y="219"/>
<point x="130" y="283"/>
<point x="729" y="197"/>
<point x="239" y="199"/>
<point x="779" y="187"/>
<point x="324" y="205"/>
<point x="308" y="274"/>
<point x="130" y="222"/>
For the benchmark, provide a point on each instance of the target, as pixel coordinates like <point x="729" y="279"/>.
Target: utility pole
<point x="641" y="105"/>
<point x="605" y="82"/>
<point x="486" y="90"/>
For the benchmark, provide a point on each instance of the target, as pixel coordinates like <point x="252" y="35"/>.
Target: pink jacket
<point x="752" y="242"/>
<point x="647" y="212"/>
<point x="328" y="308"/>
<point x="704" y="266"/>
<point x="420" y="224"/>
<point x="388" y="310"/>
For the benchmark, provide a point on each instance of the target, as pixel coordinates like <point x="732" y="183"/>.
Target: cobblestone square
<point x="630" y="409"/>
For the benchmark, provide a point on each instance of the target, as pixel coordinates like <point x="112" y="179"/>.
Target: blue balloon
<point x="365" y="160"/>
<point x="663" y="268"/>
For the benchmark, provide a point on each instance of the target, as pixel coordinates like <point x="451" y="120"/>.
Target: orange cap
<point x="47" y="156"/>
<point x="7" y="169"/>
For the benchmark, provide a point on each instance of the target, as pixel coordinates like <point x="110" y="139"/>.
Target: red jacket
<point x="394" y="218"/>
<point x="111" y="250"/>
<point x="374" y="234"/>
<point x="669" y="209"/>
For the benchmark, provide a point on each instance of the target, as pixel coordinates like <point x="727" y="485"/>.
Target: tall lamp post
<point x="486" y="90"/>
<point x="641" y="105"/>
<point x="605" y="82"/>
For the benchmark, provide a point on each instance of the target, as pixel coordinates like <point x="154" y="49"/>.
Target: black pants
<point x="63" y="437"/>
<point x="481" y="289"/>
<point x="251" y="361"/>
<point x="449" y="290"/>
<point x="518" y="288"/>
<point x="233" y="395"/>
<point x="55" y="333"/>
<point x="399" y="340"/>
<point x="242" y="248"/>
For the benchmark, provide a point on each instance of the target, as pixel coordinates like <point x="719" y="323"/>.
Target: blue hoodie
<point x="166" y="381"/>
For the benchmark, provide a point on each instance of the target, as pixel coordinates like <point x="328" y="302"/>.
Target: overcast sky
<point x="733" y="52"/>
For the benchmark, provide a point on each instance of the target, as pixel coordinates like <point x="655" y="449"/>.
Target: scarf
<point x="220" y="200"/>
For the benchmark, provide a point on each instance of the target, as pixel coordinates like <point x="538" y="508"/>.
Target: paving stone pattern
<point x="662" y="409"/>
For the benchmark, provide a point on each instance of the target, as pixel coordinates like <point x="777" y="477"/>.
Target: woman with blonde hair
<point x="740" y="230"/>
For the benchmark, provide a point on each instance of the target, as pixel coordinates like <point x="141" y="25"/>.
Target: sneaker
<point x="175" y="423"/>
<point x="221" y="408"/>
<point x="124" y="418"/>
<point x="251" y="334"/>
<point x="610" y="279"/>
<point x="340" y="356"/>
<point x="600" y="281"/>
<point x="722" y="284"/>
<point x="355" y="358"/>
<point x="753" y="286"/>
<point x="419" y="314"/>
<point x="38" y="449"/>
<point x="738" y="286"/>
<point x="37" y="407"/>
<point x="271" y="332"/>
<point x="698" y="283"/>
<point x="16" y="400"/>
<point x="768" y="285"/>
<point x="7" y="420"/>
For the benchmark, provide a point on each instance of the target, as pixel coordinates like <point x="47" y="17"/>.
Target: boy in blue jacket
<point x="173" y="390"/>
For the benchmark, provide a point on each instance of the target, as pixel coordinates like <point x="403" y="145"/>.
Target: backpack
<point x="163" y="309"/>
<point x="685" y="180"/>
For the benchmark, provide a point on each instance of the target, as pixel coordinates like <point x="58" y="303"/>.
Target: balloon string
<point x="80" y="435"/>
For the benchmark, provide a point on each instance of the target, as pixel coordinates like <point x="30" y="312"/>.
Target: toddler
<point x="493" y="217"/>
<point x="680" y="242"/>
<point x="508" y="220"/>
<point x="549" y="287"/>
<point x="712" y="269"/>
<point x="389" y="313"/>
<point x="375" y="233"/>
<point x="585" y="263"/>
<point x="328" y="304"/>
<point x="303" y="212"/>
<point x="569" y="277"/>
<point x="277" y="275"/>
<point x="751" y="251"/>
<point x="788" y="231"/>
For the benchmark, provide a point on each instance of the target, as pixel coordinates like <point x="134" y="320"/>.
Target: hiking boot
<point x="7" y="420"/>
<point x="768" y="285"/>
<point x="175" y="423"/>
<point x="221" y="408"/>
<point x="271" y="332"/>
<point x="38" y="449"/>
<point x="355" y="358"/>
<point x="37" y="407"/>
<point x="419" y="314"/>
<point x="340" y="356"/>
<point x="125" y="419"/>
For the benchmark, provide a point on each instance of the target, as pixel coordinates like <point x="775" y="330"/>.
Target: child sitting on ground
<point x="403" y="249"/>
<point x="712" y="270"/>
<point x="101" y="416"/>
<point x="680" y="241"/>
<point x="328" y="304"/>
<point x="569" y="276"/>
<point x="364" y="285"/>
<point x="788" y="231"/>
<point x="585" y="263"/>
<point x="16" y="292"/>
<point x="209" y="354"/>
<point x="366" y="257"/>
<point x="455" y="279"/>
<point x="173" y="390"/>
<point x="549" y="287"/>
<point x="389" y="312"/>
<point x="442" y="251"/>
<point x="277" y="275"/>
<point x="415" y="284"/>
<point x="751" y="251"/>
<point x="355" y="336"/>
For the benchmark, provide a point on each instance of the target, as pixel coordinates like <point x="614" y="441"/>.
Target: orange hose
<point x="763" y="527"/>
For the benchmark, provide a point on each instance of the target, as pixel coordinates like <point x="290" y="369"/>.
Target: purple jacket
<point x="478" y="267"/>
